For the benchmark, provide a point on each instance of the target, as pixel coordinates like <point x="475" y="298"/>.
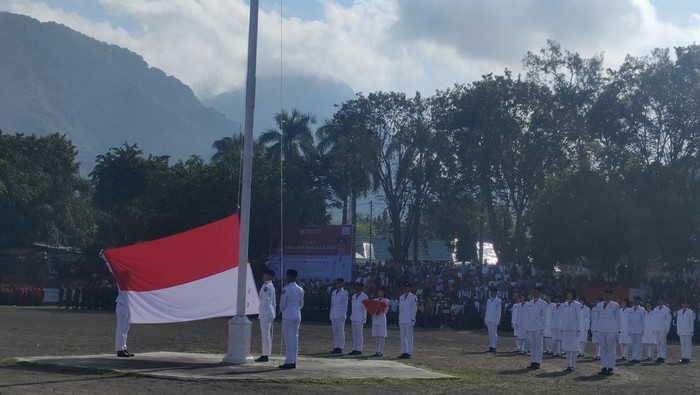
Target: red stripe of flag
<point x="177" y="259"/>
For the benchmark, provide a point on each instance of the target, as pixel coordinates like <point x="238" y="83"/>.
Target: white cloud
<point x="372" y="45"/>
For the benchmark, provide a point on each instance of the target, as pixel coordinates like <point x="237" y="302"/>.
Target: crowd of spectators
<point x="454" y="295"/>
<point x="21" y="295"/>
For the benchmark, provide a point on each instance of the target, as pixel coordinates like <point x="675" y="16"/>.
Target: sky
<point x="372" y="45"/>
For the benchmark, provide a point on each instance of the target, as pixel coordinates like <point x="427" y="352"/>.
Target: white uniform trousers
<point x="290" y="329"/>
<point x="123" y="323"/>
<point x="266" y="336"/>
<point x="535" y="339"/>
<point x="636" y="346"/>
<point x="357" y="335"/>
<point x="650" y="350"/>
<point x="380" y="344"/>
<point x="661" y="344"/>
<point x="493" y="333"/>
<point x="686" y="346"/>
<point x="338" y="325"/>
<point x="607" y="349"/>
<point x="406" y="338"/>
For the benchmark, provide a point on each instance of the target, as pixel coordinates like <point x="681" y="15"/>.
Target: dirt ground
<point x="50" y="332"/>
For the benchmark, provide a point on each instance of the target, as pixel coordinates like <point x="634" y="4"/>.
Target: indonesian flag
<point x="375" y="307"/>
<point x="188" y="276"/>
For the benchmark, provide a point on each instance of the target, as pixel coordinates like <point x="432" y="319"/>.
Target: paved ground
<point x="188" y="366"/>
<point x="33" y="332"/>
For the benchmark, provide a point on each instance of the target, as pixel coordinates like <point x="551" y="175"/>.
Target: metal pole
<point x="370" y="232"/>
<point x="240" y="325"/>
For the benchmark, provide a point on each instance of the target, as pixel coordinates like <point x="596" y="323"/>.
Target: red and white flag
<point x="188" y="276"/>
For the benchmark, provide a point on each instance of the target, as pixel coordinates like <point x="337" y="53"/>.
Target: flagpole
<point x="240" y="325"/>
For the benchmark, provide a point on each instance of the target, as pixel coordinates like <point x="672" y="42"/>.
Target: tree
<point x="42" y="197"/>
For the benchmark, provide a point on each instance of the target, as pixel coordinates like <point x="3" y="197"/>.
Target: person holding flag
<point x="379" y="331"/>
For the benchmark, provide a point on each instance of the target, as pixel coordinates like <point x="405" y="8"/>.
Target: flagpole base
<point x="239" y="341"/>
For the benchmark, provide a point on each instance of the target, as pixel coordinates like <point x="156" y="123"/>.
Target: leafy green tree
<point x="42" y="197"/>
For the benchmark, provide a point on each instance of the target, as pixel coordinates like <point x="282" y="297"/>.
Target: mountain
<point x="317" y="96"/>
<point x="54" y="79"/>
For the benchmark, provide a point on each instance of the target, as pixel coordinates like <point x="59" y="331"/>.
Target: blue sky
<point x="404" y="45"/>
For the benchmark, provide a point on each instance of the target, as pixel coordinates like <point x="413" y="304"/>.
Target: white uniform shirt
<point x="635" y="319"/>
<point x="358" y="313"/>
<point x="339" y="304"/>
<point x="408" y="306"/>
<point x="609" y="319"/>
<point x="535" y="312"/>
<point x="595" y="316"/>
<point x="585" y="318"/>
<point x="569" y="316"/>
<point x="662" y="318"/>
<point x="268" y="302"/>
<point x="291" y="302"/>
<point x="493" y="310"/>
<point x="556" y="316"/>
<point x="514" y="315"/>
<point x="684" y="322"/>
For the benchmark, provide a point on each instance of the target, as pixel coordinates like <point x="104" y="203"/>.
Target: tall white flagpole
<point x="239" y="326"/>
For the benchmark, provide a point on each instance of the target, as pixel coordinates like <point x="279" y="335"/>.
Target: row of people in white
<point x="407" y="306"/>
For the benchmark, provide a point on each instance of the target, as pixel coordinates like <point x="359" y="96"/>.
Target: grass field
<point x="49" y="331"/>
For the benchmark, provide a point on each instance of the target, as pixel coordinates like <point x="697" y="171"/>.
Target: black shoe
<point x="568" y="369"/>
<point x="685" y="360"/>
<point x="337" y="351"/>
<point x="603" y="371"/>
<point x="377" y="354"/>
<point x="531" y="366"/>
<point x="263" y="358"/>
<point x="405" y="356"/>
<point x="661" y="360"/>
<point x="355" y="352"/>
<point x="610" y="372"/>
<point x="124" y="354"/>
<point x="537" y="366"/>
<point x="287" y="366"/>
<point x="622" y="359"/>
<point x="597" y="358"/>
<point x="634" y="361"/>
<point x="647" y="359"/>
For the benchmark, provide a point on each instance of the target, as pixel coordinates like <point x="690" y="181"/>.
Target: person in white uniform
<point x="338" y="314"/>
<point x="608" y="329"/>
<point x="570" y="327"/>
<point x="408" y="306"/>
<point x="291" y="303"/>
<point x="492" y="318"/>
<point x="123" y="324"/>
<point x="518" y="331"/>
<point x="635" y="328"/>
<point x="585" y="326"/>
<point x="685" y="319"/>
<point x="267" y="314"/>
<point x="548" y="345"/>
<point x="379" y="331"/>
<point x="358" y="318"/>
<point x="663" y="325"/>
<point x="624" y="339"/>
<point x="649" y="335"/>
<point x="595" y="315"/>
<point x="535" y="312"/>
<point x="556" y="330"/>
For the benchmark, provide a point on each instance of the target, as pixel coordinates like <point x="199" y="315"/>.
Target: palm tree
<point x="292" y="138"/>
<point x="348" y="148"/>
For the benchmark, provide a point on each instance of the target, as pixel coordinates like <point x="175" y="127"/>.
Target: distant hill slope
<point x="308" y="94"/>
<point x="54" y="79"/>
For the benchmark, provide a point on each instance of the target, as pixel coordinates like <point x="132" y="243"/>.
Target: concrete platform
<point x="189" y="366"/>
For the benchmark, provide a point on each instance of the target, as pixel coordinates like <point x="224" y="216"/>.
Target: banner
<point x="321" y="252"/>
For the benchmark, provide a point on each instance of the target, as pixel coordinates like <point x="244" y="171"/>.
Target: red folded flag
<point x="375" y="307"/>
